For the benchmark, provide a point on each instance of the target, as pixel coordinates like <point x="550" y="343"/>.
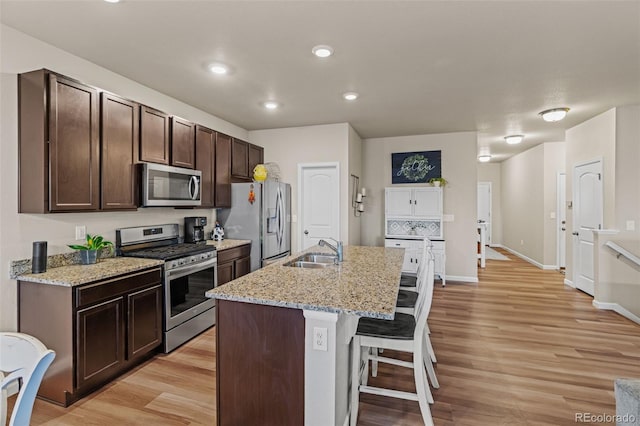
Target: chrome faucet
<point x="337" y="248"/>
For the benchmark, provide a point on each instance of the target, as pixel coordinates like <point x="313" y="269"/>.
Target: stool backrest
<point x="24" y="358"/>
<point x="425" y="296"/>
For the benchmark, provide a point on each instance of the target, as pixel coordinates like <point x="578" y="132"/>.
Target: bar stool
<point x="405" y="334"/>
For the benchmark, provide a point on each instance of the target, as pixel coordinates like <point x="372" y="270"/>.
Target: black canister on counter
<point x="39" y="258"/>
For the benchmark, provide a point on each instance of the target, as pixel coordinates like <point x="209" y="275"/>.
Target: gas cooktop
<point x="170" y="252"/>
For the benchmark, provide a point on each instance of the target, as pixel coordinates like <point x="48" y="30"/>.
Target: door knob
<point x="306" y="232"/>
<point x="563" y="229"/>
<point x="574" y="233"/>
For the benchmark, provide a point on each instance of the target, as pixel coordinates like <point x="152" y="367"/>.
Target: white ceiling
<point x="420" y="66"/>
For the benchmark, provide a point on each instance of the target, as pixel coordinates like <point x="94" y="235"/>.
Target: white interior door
<point x="561" y="215"/>
<point x="587" y="216"/>
<point x="484" y="207"/>
<point x="319" y="203"/>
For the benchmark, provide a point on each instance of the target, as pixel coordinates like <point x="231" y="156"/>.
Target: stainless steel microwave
<point x="166" y="186"/>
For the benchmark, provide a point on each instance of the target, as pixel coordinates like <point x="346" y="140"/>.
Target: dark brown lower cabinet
<point x="98" y="330"/>
<point x="260" y="364"/>
<point x="233" y="263"/>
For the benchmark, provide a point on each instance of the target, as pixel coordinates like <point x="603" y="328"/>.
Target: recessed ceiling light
<point x="219" y="69"/>
<point x="112" y="1"/>
<point x="555" y="114"/>
<point x="513" y="139"/>
<point x="322" y="51"/>
<point x="484" y="158"/>
<point x="271" y="105"/>
<point x="350" y="96"/>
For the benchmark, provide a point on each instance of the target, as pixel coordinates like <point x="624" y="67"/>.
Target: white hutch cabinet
<point x="411" y="213"/>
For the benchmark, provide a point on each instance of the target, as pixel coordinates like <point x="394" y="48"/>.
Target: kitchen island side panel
<point x="260" y="364"/>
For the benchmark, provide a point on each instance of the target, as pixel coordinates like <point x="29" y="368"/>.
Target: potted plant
<point x="89" y="251"/>
<point x="439" y="181"/>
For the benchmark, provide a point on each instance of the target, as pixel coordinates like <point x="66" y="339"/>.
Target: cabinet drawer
<point x="407" y="244"/>
<point x="234" y="253"/>
<point x="106" y="289"/>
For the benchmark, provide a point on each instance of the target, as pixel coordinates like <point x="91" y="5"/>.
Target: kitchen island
<point x="283" y="336"/>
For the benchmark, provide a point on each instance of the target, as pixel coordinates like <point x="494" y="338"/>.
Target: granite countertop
<point x="227" y="244"/>
<point x="365" y="284"/>
<point x="73" y="275"/>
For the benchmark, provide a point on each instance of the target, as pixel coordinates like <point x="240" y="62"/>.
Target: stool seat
<point x="402" y="327"/>
<point x="407" y="299"/>
<point x="408" y="281"/>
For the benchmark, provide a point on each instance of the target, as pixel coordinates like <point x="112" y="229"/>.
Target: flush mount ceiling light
<point x="484" y="158"/>
<point x="513" y="139"/>
<point x="555" y="114"/>
<point x="271" y="105"/>
<point x="112" y="1"/>
<point x="322" y="51"/>
<point x="218" y="68"/>
<point x="350" y="96"/>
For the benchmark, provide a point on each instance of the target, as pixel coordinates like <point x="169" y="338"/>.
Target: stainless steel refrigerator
<point x="266" y="221"/>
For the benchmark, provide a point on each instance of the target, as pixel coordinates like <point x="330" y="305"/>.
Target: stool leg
<point x="374" y="364"/>
<point x="428" y="364"/>
<point x="355" y="379"/>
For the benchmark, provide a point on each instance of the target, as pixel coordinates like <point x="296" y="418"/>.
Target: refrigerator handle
<point x="278" y="214"/>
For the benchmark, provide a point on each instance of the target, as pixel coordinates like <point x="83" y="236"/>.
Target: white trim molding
<point x="528" y="259"/>
<point x="617" y="309"/>
<point x="462" y="278"/>
<point x="569" y="283"/>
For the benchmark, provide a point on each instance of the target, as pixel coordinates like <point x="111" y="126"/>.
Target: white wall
<point x="355" y="168"/>
<point x="491" y="172"/>
<point x="523" y="203"/>
<point x="460" y="195"/>
<point x="310" y="144"/>
<point x="21" y="53"/>
<point x="590" y="140"/>
<point x="528" y="200"/>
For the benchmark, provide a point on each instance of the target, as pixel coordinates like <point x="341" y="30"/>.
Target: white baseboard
<point x="462" y="278"/>
<point x="496" y="245"/>
<point x="569" y="283"/>
<point x="618" y="309"/>
<point x="528" y="259"/>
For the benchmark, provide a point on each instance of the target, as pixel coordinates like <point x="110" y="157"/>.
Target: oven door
<point x="184" y="291"/>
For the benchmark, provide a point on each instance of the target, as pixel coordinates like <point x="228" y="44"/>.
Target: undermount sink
<point x="313" y="260"/>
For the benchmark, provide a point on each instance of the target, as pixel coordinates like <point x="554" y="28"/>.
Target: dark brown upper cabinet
<point x="244" y="157"/>
<point x="256" y="156"/>
<point x="119" y="152"/>
<point x="58" y="144"/>
<point x="239" y="159"/>
<point x="154" y="135"/>
<point x="223" y="170"/>
<point x="205" y="162"/>
<point x="182" y="143"/>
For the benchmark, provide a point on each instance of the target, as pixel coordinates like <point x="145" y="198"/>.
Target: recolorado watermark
<point x="605" y="418"/>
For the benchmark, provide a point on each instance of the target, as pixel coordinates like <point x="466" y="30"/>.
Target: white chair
<point x="405" y="334"/>
<point x="24" y="359"/>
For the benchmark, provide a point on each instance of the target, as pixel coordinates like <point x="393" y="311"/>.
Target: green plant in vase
<point x="440" y="181"/>
<point x="89" y="251"/>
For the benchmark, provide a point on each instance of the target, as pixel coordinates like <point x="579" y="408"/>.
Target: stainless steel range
<point x="190" y="270"/>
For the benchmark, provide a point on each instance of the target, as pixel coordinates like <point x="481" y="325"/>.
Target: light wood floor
<point x="519" y="348"/>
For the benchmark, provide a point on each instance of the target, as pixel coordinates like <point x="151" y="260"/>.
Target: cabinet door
<point x="398" y="202"/>
<point x="73" y="146"/>
<point x="100" y="342"/>
<point x="119" y="152"/>
<point x="182" y="143"/>
<point x="242" y="266"/>
<point x="225" y="272"/>
<point x="144" y="321"/>
<point x="239" y="159"/>
<point x="223" y="170"/>
<point x="205" y="162"/>
<point x="256" y="156"/>
<point x="427" y="202"/>
<point x="154" y="136"/>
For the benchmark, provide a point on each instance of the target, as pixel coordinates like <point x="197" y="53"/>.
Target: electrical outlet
<point x="631" y="225"/>
<point x="320" y="339"/>
<point x="81" y="232"/>
<point x="552" y="215"/>
<point x="521" y="242"/>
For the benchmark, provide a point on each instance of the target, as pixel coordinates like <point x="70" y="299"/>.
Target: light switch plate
<point x="552" y="215"/>
<point x="631" y="225"/>
<point x="447" y="218"/>
<point x="81" y="232"/>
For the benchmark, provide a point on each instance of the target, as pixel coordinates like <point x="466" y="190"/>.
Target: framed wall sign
<point x="415" y="167"/>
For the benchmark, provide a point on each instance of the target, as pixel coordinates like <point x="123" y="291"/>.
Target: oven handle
<point x="190" y="269"/>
